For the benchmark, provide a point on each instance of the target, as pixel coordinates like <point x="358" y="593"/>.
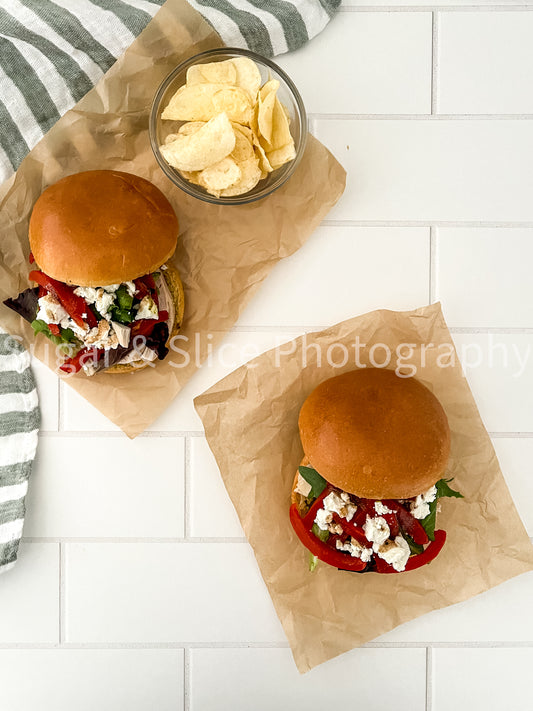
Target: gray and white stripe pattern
<point x="52" y="52"/>
<point x="19" y="426"/>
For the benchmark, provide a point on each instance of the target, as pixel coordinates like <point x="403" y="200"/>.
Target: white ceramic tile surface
<point x="313" y="287"/>
<point x="143" y="483"/>
<point x="516" y="460"/>
<point x="485" y="81"/>
<point x="134" y="589"/>
<point x="483" y="276"/>
<point x="87" y="679"/>
<point x="29" y="596"/>
<point x="195" y="592"/>
<point x="488" y="678"/>
<point x="265" y="679"/>
<point x="211" y="511"/>
<point x="432" y="170"/>
<point x="389" y="68"/>
<point x="499" y="369"/>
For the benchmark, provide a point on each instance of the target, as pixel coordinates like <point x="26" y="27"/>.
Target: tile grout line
<point x="434" y="60"/>
<point x="436" y="8"/>
<point x="186" y="492"/>
<point x="186" y="679"/>
<point x="418" y="117"/>
<point x="433" y="290"/>
<point x="429" y="678"/>
<point x="62" y="581"/>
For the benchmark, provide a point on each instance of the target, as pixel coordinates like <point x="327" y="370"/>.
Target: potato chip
<point x="264" y="163"/>
<point x="244" y="148"/>
<point x="248" y="75"/>
<point x="281" y="134"/>
<point x="282" y="155"/>
<point x="208" y="145"/>
<point x="268" y="87"/>
<point x="250" y="176"/>
<point x="219" y="176"/>
<point x="235" y="103"/>
<point x="190" y="127"/>
<point x="192" y="103"/>
<point x="265" y="116"/>
<point x="213" y="73"/>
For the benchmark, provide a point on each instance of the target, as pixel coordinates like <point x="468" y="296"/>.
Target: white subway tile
<point x="432" y="169"/>
<point x="265" y="679"/>
<point x="212" y="513"/>
<point x="167" y="592"/>
<point x="48" y="392"/>
<point x="495" y="615"/>
<point x="107" y="486"/>
<point x="485" y="62"/>
<point x="342" y="272"/>
<point x="366" y="63"/>
<point x="516" y="460"/>
<point x="484" y="276"/>
<point x="29" y="596"/>
<point x="481" y="679"/>
<point x="77" y="414"/>
<point x="499" y="370"/>
<point x="88" y="679"/>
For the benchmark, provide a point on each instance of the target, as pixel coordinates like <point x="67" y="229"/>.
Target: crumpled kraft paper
<point x="250" y="420"/>
<point x="223" y="253"/>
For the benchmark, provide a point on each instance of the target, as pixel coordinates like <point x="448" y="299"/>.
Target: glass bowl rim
<point x="184" y="184"/>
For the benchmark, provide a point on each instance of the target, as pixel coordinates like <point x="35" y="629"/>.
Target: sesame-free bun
<point x="375" y="434"/>
<point x="102" y="227"/>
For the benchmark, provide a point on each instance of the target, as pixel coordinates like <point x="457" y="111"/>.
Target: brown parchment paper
<point x="223" y="253"/>
<point x="250" y="419"/>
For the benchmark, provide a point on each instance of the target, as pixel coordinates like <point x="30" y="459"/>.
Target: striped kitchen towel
<point x="19" y="425"/>
<point x="52" y="52"/>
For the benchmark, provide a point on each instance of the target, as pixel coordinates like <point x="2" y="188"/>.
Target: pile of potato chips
<point x="237" y="132"/>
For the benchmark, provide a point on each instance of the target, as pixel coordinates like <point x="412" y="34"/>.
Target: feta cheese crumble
<point x="101" y="299"/>
<point x="381" y="509"/>
<point x="303" y="487"/>
<point x="395" y="553"/>
<point x="376" y="530"/>
<point x="420" y="507"/>
<point x="147" y="308"/>
<point x="355" y="549"/>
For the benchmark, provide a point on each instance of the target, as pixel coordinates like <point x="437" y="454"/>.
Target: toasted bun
<point x="375" y="435"/>
<point x="173" y="281"/>
<point x="102" y="227"/>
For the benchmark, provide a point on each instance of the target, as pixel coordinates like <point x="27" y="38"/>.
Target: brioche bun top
<point x="375" y="434"/>
<point x="102" y="227"/>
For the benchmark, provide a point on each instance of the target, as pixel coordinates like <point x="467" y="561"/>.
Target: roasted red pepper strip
<point x="416" y="561"/>
<point x="31" y="258"/>
<point x="74" y="364"/>
<point x="408" y="522"/>
<point x="145" y="326"/>
<point x="344" y="561"/>
<point x="353" y="530"/>
<point x="54" y="329"/>
<point x="74" y="305"/>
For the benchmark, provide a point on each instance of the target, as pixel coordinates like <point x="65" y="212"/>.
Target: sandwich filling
<point x="98" y="327"/>
<point x="352" y="533"/>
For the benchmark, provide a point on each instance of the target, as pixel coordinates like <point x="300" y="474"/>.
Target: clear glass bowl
<point x="288" y="95"/>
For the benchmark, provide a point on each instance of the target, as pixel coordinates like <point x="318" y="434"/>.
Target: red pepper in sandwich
<point x="365" y="497"/>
